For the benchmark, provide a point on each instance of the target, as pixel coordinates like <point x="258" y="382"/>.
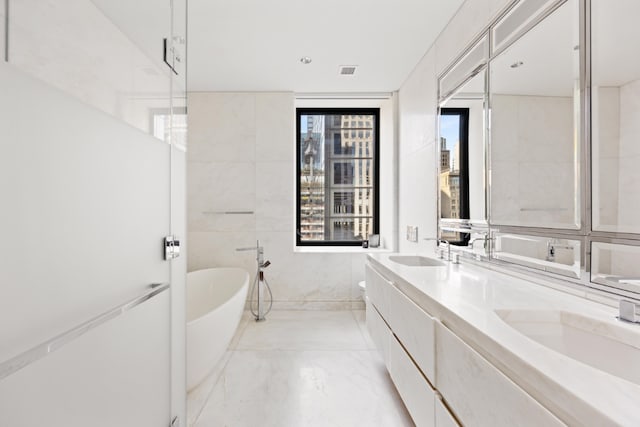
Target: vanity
<point x="465" y="345"/>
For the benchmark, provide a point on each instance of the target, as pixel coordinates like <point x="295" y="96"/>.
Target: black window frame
<point x="375" y="112"/>
<point x="463" y="131"/>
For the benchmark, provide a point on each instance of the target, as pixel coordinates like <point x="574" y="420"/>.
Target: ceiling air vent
<point x="348" y="70"/>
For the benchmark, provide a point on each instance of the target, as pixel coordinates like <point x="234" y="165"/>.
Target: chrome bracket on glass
<point x="171" y="247"/>
<point x="628" y="312"/>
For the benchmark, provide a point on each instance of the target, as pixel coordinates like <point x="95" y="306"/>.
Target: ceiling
<point x="256" y="45"/>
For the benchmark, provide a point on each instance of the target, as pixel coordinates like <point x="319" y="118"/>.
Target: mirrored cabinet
<point x="615" y="106"/>
<point x="534" y="101"/>
<point x="538" y="126"/>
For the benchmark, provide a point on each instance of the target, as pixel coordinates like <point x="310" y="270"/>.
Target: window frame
<point x="375" y="187"/>
<point x="463" y="132"/>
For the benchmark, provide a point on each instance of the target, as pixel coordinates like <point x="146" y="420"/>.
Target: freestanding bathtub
<point x="215" y="300"/>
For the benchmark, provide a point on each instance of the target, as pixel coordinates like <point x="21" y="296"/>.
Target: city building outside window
<point x="337" y="201"/>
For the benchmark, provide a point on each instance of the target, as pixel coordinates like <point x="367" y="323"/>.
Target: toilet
<point x="362" y="285"/>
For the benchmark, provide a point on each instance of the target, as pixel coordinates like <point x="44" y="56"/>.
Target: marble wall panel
<point x="275" y="129"/>
<point x="218" y="188"/>
<point x="275" y="196"/>
<point x="533" y="180"/>
<point x="241" y="158"/>
<point x="222" y="128"/>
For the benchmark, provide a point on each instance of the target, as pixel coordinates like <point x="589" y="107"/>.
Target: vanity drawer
<point x="415" y="391"/>
<point x="478" y="393"/>
<point x="378" y="330"/>
<point x="414" y="328"/>
<point x="377" y="288"/>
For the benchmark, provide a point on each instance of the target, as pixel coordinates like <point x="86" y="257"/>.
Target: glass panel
<point x="97" y="51"/>
<point x="615" y="116"/>
<point x="616" y="266"/>
<point x="517" y="20"/>
<point x="179" y="78"/>
<point x="465" y="68"/>
<point x="555" y="255"/>
<point x="535" y="173"/>
<point x="337" y="176"/>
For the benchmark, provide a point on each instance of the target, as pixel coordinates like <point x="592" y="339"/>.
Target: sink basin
<point x="416" y="261"/>
<point x="607" y="346"/>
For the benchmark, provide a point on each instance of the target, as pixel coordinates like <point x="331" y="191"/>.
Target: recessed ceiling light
<point x="517" y="64"/>
<point x="305" y="60"/>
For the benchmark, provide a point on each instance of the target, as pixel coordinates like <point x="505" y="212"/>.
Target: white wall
<point x="241" y="158"/>
<point x="417" y="121"/>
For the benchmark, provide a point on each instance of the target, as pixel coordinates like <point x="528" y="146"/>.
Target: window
<point x="337" y="180"/>
<point x="454" y="169"/>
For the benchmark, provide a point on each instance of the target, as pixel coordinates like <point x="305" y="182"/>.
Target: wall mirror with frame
<point x="462" y="147"/>
<point x="535" y="110"/>
<point x="615" y="94"/>
<point x="615" y="152"/>
<point x="563" y="96"/>
<point x="524" y="149"/>
<point x="462" y="159"/>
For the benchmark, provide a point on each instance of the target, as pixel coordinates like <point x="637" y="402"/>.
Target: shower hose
<point x="260" y="278"/>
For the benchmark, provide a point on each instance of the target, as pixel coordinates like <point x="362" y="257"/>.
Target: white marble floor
<point x="299" y="369"/>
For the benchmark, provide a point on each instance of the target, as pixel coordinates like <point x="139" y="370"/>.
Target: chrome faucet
<point x="552" y="245"/>
<point x="438" y="241"/>
<point x="484" y="239"/>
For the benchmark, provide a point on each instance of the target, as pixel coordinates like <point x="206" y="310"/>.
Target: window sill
<point x="338" y="250"/>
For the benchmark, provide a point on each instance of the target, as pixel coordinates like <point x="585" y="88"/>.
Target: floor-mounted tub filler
<point x="215" y="301"/>
<point x="260" y="285"/>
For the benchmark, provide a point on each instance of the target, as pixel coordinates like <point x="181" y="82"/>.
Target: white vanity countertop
<point x="464" y="298"/>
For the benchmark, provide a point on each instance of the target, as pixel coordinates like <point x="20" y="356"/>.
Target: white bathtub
<point x="215" y="300"/>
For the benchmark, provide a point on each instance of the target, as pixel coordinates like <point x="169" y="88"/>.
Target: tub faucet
<point x="259" y="252"/>
<point x="260" y="283"/>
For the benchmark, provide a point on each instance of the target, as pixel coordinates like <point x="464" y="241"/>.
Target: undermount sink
<point x="606" y="346"/>
<point x="416" y="261"/>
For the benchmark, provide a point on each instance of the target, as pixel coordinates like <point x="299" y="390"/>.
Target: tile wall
<point x="241" y="159"/>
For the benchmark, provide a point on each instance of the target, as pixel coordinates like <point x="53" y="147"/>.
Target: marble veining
<point x="466" y="301"/>
<point x="300" y="368"/>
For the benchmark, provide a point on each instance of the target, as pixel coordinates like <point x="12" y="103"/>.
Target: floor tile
<point x="360" y="317"/>
<point x="299" y="369"/>
<point x="304" y="388"/>
<point x="304" y="330"/>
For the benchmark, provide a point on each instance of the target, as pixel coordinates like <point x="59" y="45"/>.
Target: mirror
<point x="534" y="141"/>
<point x="462" y="158"/>
<point x="555" y="255"/>
<point x="615" y="116"/>
<point x="616" y="265"/>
